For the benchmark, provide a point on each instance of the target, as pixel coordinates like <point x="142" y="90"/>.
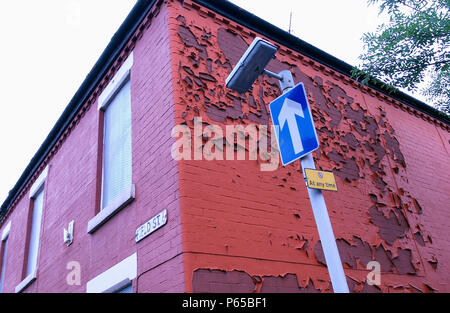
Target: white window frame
<point x="4" y="238"/>
<point x="40" y="181"/>
<point x="34" y="190"/>
<point x="6" y="231"/>
<point x="129" y="194"/>
<point x="115" y="278"/>
<point x="115" y="83"/>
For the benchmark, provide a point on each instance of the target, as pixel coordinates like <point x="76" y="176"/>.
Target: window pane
<point x="2" y="273"/>
<point x="117" y="146"/>
<point x="35" y="231"/>
<point x="126" y="289"/>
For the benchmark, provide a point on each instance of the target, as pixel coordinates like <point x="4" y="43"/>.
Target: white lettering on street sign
<point x="151" y="225"/>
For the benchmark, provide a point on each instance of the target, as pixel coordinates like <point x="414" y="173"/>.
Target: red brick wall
<point x="247" y="229"/>
<point x="231" y="226"/>
<point x="70" y="191"/>
<point x="160" y="262"/>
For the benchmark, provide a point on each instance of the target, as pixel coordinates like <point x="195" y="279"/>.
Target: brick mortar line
<point x="286" y="261"/>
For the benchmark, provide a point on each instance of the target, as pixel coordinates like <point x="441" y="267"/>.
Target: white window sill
<point x="122" y="284"/>
<point x="26" y="282"/>
<point x="106" y="213"/>
<point x="114" y="278"/>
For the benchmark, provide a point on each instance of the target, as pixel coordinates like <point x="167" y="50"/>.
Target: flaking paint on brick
<point x="234" y="212"/>
<point x="231" y="224"/>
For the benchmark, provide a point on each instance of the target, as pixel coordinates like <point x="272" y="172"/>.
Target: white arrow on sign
<point x="287" y="114"/>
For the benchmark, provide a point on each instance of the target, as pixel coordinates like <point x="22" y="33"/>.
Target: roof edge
<point x="258" y="25"/>
<point x="106" y="59"/>
<point x="123" y="34"/>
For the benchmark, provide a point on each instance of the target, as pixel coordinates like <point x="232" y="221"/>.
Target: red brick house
<point x="154" y="212"/>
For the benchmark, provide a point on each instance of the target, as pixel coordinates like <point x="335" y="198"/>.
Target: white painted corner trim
<point x="124" y="271"/>
<point x="26" y="282"/>
<point x="40" y="181"/>
<point x="115" y="83"/>
<point x="6" y="231"/>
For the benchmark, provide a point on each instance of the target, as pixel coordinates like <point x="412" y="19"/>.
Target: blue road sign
<point x="294" y="125"/>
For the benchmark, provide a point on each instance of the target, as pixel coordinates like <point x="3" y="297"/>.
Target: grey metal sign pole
<point x="330" y="250"/>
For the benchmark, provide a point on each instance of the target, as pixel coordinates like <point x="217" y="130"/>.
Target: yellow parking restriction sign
<point x="323" y="180"/>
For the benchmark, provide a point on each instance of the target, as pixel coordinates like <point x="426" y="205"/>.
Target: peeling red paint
<point x="351" y="140"/>
<point x="190" y="40"/>
<point x="393" y="146"/>
<point x="359" y="251"/>
<point x="231" y="45"/>
<point x="384" y="258"/>
<point x="370" y="289"/>
<point x="350" y="253"/>
<point x="433" y="262"/>
<point x="417" y="206"/>
<point x="392" y="228"/>
<point x="349" y="170"/>
<point x="376" y="214"/>
<point x="419" y="238"/>
<point x="403" y="262"/>
<point x="218" y="281"/>
<point x="286" y="284"/>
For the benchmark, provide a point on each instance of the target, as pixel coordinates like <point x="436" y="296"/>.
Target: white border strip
<point x="126" y="269"/>
<point x="38" y="183"/>
<point x="115" y="83"/>
<point x="6" y="231"/>
<point x="26" y="282"/>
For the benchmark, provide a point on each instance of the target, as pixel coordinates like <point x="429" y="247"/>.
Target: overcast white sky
<point x="49" y="46"/>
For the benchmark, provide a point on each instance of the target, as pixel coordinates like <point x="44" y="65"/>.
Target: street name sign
<point x="156" y="222"/>
<point x="294" y="125"/>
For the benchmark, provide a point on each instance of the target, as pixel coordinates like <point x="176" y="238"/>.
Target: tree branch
<point x="418" y="66"/>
